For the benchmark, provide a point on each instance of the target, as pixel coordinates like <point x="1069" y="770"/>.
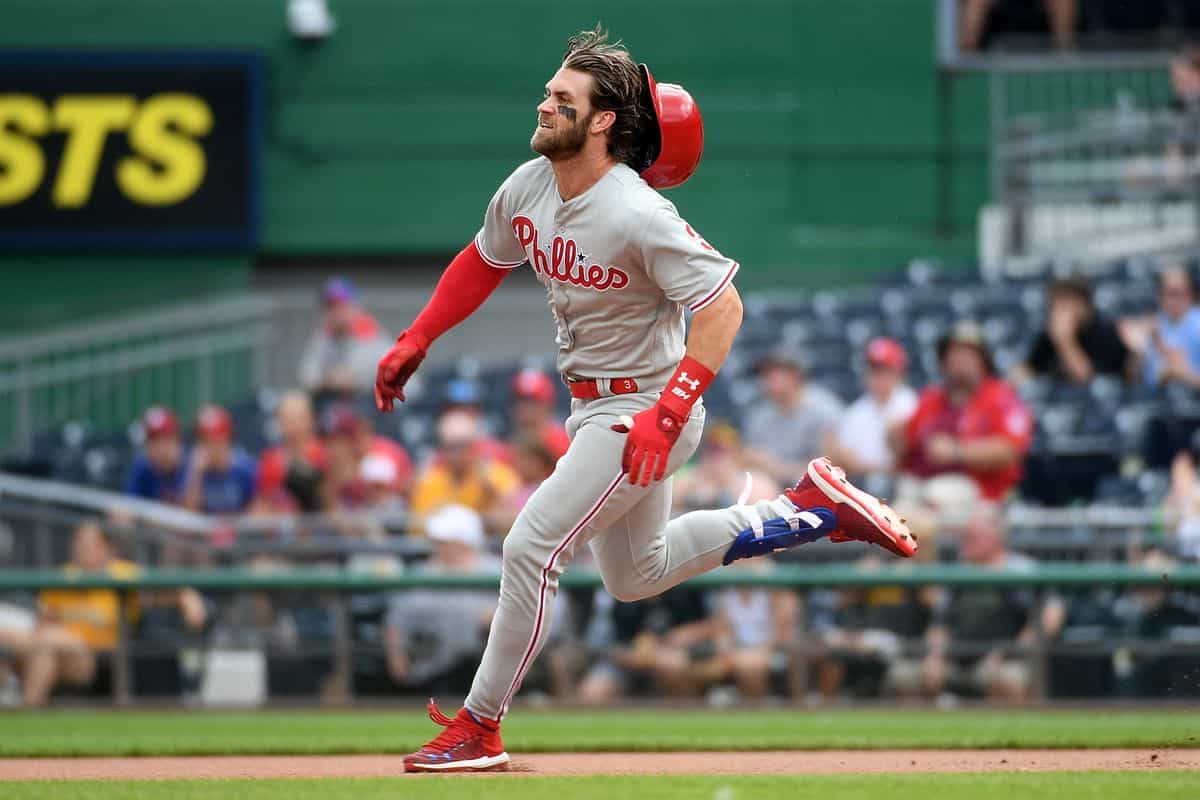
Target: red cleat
<point x="468" y="744"/>
<point x="860" y="516"/>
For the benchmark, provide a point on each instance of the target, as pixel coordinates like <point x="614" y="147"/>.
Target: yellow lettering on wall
<point x="162" y="135"/>
<point x="87" y="120"/>
<point x="22" y="163"/>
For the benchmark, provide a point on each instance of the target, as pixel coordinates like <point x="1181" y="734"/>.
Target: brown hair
<point x="616" y="86"/>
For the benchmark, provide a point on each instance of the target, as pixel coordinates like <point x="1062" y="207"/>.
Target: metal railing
<point x="107" y="373"/>
<point x="1089" y="161"/>
<point x="38" y="517"/>
<point x="1089" y="164"/>
<point x="336" y="591"/>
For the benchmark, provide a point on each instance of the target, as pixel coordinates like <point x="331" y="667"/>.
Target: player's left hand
<point x="651" y="435"/>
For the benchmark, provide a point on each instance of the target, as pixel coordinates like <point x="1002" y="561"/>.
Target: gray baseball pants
<point x="588" y="500"/>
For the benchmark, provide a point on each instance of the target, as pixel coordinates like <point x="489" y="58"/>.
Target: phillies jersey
<point x="618" y="263"/>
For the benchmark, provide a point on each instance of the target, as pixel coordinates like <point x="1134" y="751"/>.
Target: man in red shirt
<point x="969" y="435"/>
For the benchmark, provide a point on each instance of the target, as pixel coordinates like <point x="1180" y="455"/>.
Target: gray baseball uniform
<point x="619" y="266"/>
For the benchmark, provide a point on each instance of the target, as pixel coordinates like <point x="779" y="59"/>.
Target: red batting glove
<point x="397" y="366"/>
<point x="654" y="431"/>
<point x="649" y="443"/>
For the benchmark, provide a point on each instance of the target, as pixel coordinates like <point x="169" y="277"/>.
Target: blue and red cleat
<point x="860" y="515"/>
<point x="468" y="744"/>
<point x="826" y="505"/>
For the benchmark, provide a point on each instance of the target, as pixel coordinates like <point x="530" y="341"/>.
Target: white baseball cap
<point x="377" y="468"/>
<point x="456" y="523"/>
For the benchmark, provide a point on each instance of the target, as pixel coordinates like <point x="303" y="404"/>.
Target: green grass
<point x="103" y="733"/>
<point x="1000" y="786"/>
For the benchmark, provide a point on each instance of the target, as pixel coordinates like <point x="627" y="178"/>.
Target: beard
<point x="559" y="145"/>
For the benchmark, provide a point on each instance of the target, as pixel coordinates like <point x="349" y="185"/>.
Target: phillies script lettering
<point x="563" y="264"/>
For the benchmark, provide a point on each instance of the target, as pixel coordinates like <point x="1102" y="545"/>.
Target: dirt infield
<point x="822" y="762"/>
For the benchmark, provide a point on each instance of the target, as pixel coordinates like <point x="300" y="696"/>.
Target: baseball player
<point x="620" y="266"/>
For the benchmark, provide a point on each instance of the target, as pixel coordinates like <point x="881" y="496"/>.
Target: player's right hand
<point x="397" y="366"/>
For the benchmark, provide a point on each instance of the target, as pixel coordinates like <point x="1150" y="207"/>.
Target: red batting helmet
<point x="675" y="140"/>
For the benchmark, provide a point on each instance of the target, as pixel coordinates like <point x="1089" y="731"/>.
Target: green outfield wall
<point x="828" y="153"/>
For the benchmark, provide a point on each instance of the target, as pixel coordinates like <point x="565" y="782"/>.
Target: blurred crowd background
<point x="970" y="278"/>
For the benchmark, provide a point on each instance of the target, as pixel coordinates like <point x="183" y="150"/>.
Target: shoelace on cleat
<point x="456" y="732"/>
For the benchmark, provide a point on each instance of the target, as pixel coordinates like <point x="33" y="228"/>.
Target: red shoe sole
<point x="893" y="534"/>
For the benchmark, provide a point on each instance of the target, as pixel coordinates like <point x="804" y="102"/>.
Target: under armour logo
<point x="684" y="379"/>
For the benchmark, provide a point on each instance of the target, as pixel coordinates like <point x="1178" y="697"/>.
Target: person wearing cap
<point x="464" y="394"/>
<point x="339" y="359"/>
<point x="888" y="402"/>
<point x="157" y="471"/>
<point x="351" y="440"/>
<point x="220" y="476"/>
<point x="795" y="420"/>
<point x="291" y="473"/>
<point x="459" y="475"/>
<point x="533" y="412"/>
<point x="432" y="639"/>
<point x="1076" y="343"/>
<point x="379" y="479"/>
<point x="972" y="429"/>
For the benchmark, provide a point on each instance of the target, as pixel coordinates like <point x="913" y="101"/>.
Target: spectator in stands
<point x="979" y="20"/>
<point x="870" y="628"/>
<point x="290" y="474"/>
<point x="376" y="493"/>
<point x="381" y="484"/>
<point x="533" y="412"/>
<point x="756" y="635"/>
<point x="342" y="353"/>
<point x="169" y="621"/>
<point x="1170" y="343"/>
<point x="862" y="442"/>
<point x="718" y="476"/>
<point x="533" y="461"/>
<point x="651" y="644"/>
<point x="72" y="626"/>
<point x="350" y="439"/>
<point x="793" y="423"/>
<point x="157" y="471"/>
<point x="220" y="476"/>
<point x="1185" y="76"/>
<point x="465" y="395"/>
<point x="460" y="476"/>
<point x="1154" y="615"/>
<point x="1183" y="502"/>
<point x="433" y="639"/>
<point x="966" y="440"/>
<point x="980" y="639"/>
<point x="1077" y="343"/>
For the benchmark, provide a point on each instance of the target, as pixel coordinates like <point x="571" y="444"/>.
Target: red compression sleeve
<point x="463" y="287"/>
<point x="690" y="380"/>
